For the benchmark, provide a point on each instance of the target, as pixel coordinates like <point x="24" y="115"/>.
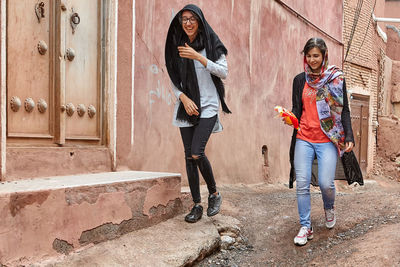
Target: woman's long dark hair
<point x="315" y="42"/>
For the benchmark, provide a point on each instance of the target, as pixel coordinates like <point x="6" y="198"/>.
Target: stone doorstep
<point x="49" y="217"/>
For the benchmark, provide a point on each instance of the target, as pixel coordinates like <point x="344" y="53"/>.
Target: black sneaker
<point x="195" y="214"/>
<point x="214" y="204"/>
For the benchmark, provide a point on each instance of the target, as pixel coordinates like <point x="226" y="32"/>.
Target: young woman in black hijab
<point x="195" y="60"/>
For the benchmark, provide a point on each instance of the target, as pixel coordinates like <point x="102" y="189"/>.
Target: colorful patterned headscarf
<point x="329" y="86"/>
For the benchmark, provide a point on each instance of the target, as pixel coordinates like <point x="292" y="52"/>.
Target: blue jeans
<point x="304" y="155"/>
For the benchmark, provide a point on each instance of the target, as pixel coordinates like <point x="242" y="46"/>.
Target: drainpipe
<point x="394" y="20"/>
<point x="380" y="31"/>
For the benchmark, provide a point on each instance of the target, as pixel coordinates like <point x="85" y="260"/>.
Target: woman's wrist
<point x="183" y="98"/>
<point x="202" y="59"/>
<point x="199" y="56"/>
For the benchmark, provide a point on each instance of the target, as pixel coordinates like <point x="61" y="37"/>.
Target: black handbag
<point x="352" y="169"/>
<point x="348" y="169"/>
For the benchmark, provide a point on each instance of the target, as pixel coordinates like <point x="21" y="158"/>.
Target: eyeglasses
<point x="192" y="20"/>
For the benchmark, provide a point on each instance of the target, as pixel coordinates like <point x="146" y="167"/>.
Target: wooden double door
<point x="54" y="72"/>
<point x="359" y="121"/>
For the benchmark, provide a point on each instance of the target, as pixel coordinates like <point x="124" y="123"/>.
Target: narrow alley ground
<point x="367" y="232"/>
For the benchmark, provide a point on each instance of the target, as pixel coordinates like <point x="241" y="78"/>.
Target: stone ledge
<point x="71" y="181"/>
<point x="45" y="217"/>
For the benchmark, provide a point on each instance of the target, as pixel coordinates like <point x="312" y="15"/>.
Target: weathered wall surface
<point x="386" y="107"/>
<point x="393" y="44"/>
<point x="47" y="218"/>
<point x="395" y="88"/>
<point x="388" y="132"/>
<point x="264" y="40"/>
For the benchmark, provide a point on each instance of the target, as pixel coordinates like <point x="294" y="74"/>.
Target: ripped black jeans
<point x="194" y="141"/>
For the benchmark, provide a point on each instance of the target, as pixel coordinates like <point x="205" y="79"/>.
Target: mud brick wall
<point x="395" y="88"/>
<point x="364" y="50"/>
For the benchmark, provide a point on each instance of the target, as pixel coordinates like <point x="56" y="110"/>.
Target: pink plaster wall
<point x="31" y="162"/>
<point x="379" y="11"/>
<point x="124" y="81"/>
<point x="327" y="15"/>
<point x="392" y="10"/>
<point x="3" y="117"/>
<point x="264" y="41"/>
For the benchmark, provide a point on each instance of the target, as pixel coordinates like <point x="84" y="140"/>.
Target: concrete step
<point x="43" y="218"/>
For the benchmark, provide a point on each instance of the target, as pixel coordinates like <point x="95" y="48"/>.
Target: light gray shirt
<point x="209" y="99"/>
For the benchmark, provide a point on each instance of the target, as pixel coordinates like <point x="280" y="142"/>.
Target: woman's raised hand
<point x="188" y="52"/>
<point x="190" y="107"/>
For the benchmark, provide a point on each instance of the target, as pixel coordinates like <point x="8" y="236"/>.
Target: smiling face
<point x="314" y="59"/>
<point x="190" y="24"/>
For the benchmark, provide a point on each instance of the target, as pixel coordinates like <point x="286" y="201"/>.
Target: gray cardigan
<point x="209" y="99"/>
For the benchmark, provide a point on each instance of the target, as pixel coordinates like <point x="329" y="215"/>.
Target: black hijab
<point x="182" y="71"/>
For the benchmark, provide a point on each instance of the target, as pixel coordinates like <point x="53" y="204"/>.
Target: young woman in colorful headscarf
<point x="319" y="100"/>
<point x="196" y="63"/>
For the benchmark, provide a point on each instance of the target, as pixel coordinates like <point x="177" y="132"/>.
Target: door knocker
<point x="39" y="10"/>
<point x="74" y="20"/>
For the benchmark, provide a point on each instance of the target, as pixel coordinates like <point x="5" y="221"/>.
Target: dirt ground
<point x="367" y="232"/>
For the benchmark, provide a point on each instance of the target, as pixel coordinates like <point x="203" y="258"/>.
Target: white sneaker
<point x="303" y="236"/>
<point x="330" y="218"/>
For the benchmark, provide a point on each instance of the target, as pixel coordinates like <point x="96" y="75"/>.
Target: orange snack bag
<point x="289" y="117"/>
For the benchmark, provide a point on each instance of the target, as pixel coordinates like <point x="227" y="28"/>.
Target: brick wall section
<point x="362" y="65"/>
<point x="361" y="48"/>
